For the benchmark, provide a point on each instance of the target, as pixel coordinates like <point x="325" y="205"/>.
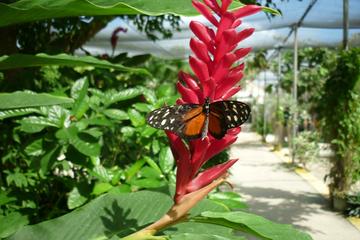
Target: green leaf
<point x="30" y="99"/>
<point x="95" y="132"/>
<point x="134" y="169"/>
<point x="98" y="121"/>
<point x="79" y="88"/>
<point x="86" y="148"/>
<point x="116" y="215"/>
<point x="31" y="10"/>
<point x="11" y="223"/>
<point x="142" y="107"/>
<point x="84" y="145"/>
<point x="127" y="131"/>
<point x="230" y="199"/>
<point x="271" y="11"/>
<point x="148" y="172"/>
<point x="35" y="148"/>
<point x="253" y="224"/>
<point x="75" y="199"/>
<point x="101" y="172"/>
<point x="113" y="96"/>
<point x="101" y="188"/>
<point x="148" y="131"/>
<point x="58" y="115"/>
<point x="35" y="124"/>
<point x="193" y="236"/>
<point x="123" y="188"/>
<point x="136" y="118"/>
<point x="155" y="146"/>
<point x="153" y="164"/>
<point x="42" y="59"/>
<point x="17" y="112"/>
<point x="147" y="183"/>
<point x="18" y="178"/>
<point x="48" y="159"/>
<point x="166" y="160"/>
<point x="116" y="114"/>
<point x="78" y="92"/>
<point x="4" y="198"/>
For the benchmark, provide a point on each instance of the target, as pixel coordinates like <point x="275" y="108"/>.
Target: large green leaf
<point x="253" y="224"/>
<point x="115" y="215"/>
<point x="192" y="236"/>
<point x="30" y="10"/>
<point x="30" y="99"/>
<point x="10" y="223"/>
<point x="41" y="59"/>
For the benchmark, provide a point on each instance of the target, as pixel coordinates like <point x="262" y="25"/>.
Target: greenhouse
<point x="190" y="119"/>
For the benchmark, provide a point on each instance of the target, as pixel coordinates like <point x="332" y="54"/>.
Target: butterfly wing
<point x="185" y="120"/>
<point x="217" y="126"/>
<point x="225" y="115"/>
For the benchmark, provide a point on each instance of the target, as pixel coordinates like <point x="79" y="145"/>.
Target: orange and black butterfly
<point x="191" y="121"/>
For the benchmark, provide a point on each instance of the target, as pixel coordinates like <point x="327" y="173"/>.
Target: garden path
<point x="276" y="192"/>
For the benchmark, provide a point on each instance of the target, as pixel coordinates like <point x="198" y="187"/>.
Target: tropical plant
<point x="340" y="114"/>
<point x="306" y="147"/>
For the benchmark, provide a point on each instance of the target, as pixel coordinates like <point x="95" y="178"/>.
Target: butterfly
<point x="191" y="121"/>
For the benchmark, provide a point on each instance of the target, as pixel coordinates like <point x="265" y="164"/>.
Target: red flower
<point x="114" y="37"/>
<point x="215" y="77"/>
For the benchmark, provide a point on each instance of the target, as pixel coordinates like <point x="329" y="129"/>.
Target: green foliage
<point x="306" y="147"/>
<point x="24" y="60"/>
<point x="93" y="143"/>
<point x="314" y="66"/>
<point x="258" y="120"/>
<point x="340" y="111"/>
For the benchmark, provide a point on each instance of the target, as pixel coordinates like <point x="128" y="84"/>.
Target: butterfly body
<point x="191" y="121"/>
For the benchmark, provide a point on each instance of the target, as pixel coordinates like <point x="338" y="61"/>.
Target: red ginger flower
<point x="215" y="53"/>
<point x="216" y="78"/>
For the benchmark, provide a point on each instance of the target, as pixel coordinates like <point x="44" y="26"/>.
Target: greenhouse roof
<point x="322" y="26"/>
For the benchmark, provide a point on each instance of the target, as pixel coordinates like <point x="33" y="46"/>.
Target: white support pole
<point x="295" y="114"/>
<point x="279" y="131"/>
<point x="345" y="24"/>
<point x="264" y="105"/>
<point x="278" y="90"/>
